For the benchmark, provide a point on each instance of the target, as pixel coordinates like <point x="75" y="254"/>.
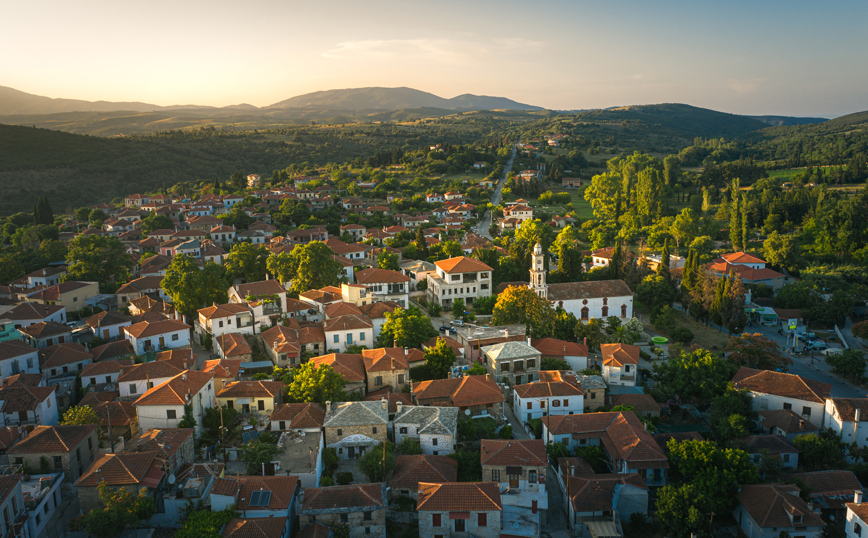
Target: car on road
<point x="457" y="323"/>
<point x="444" y="328"/>
<point x="801" y="334"/>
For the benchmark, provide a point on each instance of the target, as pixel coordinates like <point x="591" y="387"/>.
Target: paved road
<point x="485" y="223"/>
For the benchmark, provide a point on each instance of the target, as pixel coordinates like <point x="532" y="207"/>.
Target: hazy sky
<point x="789" y="57"/>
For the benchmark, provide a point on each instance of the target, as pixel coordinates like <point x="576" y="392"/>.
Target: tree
<point x="756" y="351"/>
<point x="246" y="261"/>
<point x="782" y="251"/>
<point x="663" y="318"/>
<point x="731" y="413"/>
<point x="591" y="333"/>
<point x="187" y="421"/>
<point x="678" y="512"/>
<point x="77" y="416"/>
<point x="421" y="243"/>
<point x="258" y="451"/>
<point x="476" y="369"/>
<point x="819" y="452"/>
<point x="684" y="228"/>
<point x="101" y="259"/>
<point x="42" y="213"/>
<point x="697" y="377"/>
<point x="316" y="383"/>
<point x="121" y="509"/>
<point x="308" y="267"/>
<point x="484" y="305"/>
<point x="237" y="179"/>
<point x="440" y="358"/>
<point x="237" y="217"/>
<point x="376" y="460"/>
<point x="655" y="291"/>
<point x="520" y="305"/>
<point x="155" y="222"/>
<point x="202" y="523"/>
<point x="409" y="446"/>
<point x="406" y="328"/>
<point x="458" y="307"/>
<point x="849" y="364"/>
<point x="211" y="421"/>
<point x="663" y="269"/>
<point x="387" y="260"/>
<point x="192" y="288"/>
<point x="551" y="363"/>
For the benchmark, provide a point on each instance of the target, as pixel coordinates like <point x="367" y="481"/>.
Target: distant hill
<point x="13" y="101"/>
<point x="787" y="120"/>
<point x="382" y="99"/>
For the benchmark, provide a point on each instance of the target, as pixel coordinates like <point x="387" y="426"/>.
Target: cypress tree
<point x="663" y="268"/>
<point x="615" y="263"/>
<point x="717" y="303"/>
<point x="735" y="223"/>
<point x="421" y="243"/>
<point x="744" y="226"/>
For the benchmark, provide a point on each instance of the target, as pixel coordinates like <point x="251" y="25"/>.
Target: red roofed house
<point x="21" y="403"/>
<point x="386" y="366"/>
<point x="536" y="400"/>
<point x="261" y="397"/>
<point x="163" y="406"/>
<point x="596" y="497"/>
<point x="233" y="346"/>
<point x="271" y="527"/>
<point x="148" y="336"/>
<point x="137" y="379"/>
<point x="848" y="417"/>
<point x="459" y="509"/>
<point x="129" y="471"/>
<point x="225" y="318"/>
<point x="773" y="509"/>
<point x="620" y="363"/>
<point x="286" y="343"/>
<point x="349" y="365"/>
<point x="361" y="507"/>
<point x="67" y="449"/>
<point x="476" y="393"/>
<point x="267" y="299"/>
<point x="71" y="294"/>
<point x="102" y="373"/>
<point x="576" y="355"/>
<point x="519" y="467"/>
<point x="411" y="470"/>
<point x="17" y="357"/>
<point x="775" y="390"/>
<point x="385" y="285"/>
<point x="344" y="331"/>
<point x="459" y="278"/>
<point x="307" y="417"/>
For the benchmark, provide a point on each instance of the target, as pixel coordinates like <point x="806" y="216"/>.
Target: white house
<point x="350" y="330"/>
<point x="108" y="325"/>
<point x="768" y="510"/>
<point x="16" y="357"/>
<point x="775" y="390"/>
<point x="26" y="404"/>
<point x="266" y="298"/>
<point x="620" y="364"/>
<point x="848" y="417"/>
<point x="148" y="336"/>
<point x="223" y="234"/>
<point x="27" y="314"/>
<point x="217" y="320"/>
<point x="576" y="355"/>
<point x="436" y="428"/>
<point x="857" y="517"/>
<point x="593" y="299"/>
<point x="103" y="372"/>
<point x="537" y="400"/>
<point x="385" y="285"/>
<point x="138" y="379"/>
<point x="164" y="405"/>
<point x="459" y="278"/>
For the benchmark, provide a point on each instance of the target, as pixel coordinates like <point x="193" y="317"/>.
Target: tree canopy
<point x="406" y="328"/>
<point x="521" y="305"/>
<point x="316" y="383"/>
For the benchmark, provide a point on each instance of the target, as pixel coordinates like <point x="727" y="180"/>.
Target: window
<point x="108" y="379"/>
<point x="530" y="405"/>
<point x="220" y="324"/>
<point x="566" y="402"/>
<point x="435" y="442"/>
<point x="786" y="458"/>
<point x="175" y="337"/>
<point x="435" y="520"/>
<point x="556" y="403"/>
<point x="261" y="405"/>
<point x="337" y="339"/>
<point x="482" y="520"/>
<point x="504" y="367"/>
<point x="367" y="516"/>
<point x="344" y="518"/>
<point x="311" y="519"/>
<point x="593" y="395"/>
<point x="400" y="379"/>
<point x="495" y="475"/>
<point x="605" y="311"/>
<point x="585" y="313"/>
<point x="378" y="380"/>
<point x="788" y="406"/>
<point x="403" y="430"/>
<point x="349" y="338"/>
<point x="623" y="311"/>
<point x="531" y="363"/>
<point x="531" y="477"/>
<point x="374" y="429"/>
<point x="340" y="431"/>
<point x="170" y="413"/>
<point x="542" y="404"/>
<point x="361" y="337"/>
<point x="857" y="529"/>
<point x="806" y="411"/>
<point x="90" y="443"/>
<point x="58" y="462"/>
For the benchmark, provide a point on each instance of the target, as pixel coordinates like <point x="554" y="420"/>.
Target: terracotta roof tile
<point x="348" y="365"/>
<point x="375" y="275"/>
<point x="459" y="392"/>
<point x="120" y="413"/>
<point x="595" y="493"/>
<point x="234" y="345"/>
<point x="104" y="367"/>
<point x="63" y="354"/>
<point x="53" y="439"/>
<point x="342" y="309"/>
<point x="545" y="390"/>
<point x="845" y="408"/>
<point x="379" y="309"/>
<point x="829" y="483"/>
<point x="787" y="420"/>
<point x="552" y="347"/>
<point x="18" y="397"/>
<point x="224" y="310"/>
<point x="268" y="527"/>
<point x="459" y="497"/>
<point x="347" y="323"/>
<point x="254" y="389"/>
<point x="619" y="354"/>
<point x="45" y="329"/>
<point x="95" y="398"/>
<point x="514" y="452"/>
<point x="174" y="391"/>
<point x="639" y="402"/>
<point x="153" y="328"/>
<point x="316" y="530"/>
<point x="392" y="397"/>
<point x="164" y="441"/>
<point x="300" y="415"/>
<point x="149" y="370"/>
<point x="410" y="470"/>
<point x="9" y="436"/>
<point x="775" y="444"/>
<point x="384" y="359"/>
<point x="462" y="264"/>
<point x="588" y="290"/>
<point x="14" y="348"/>
<point x="771" y="505"/>
<point x="781" y="384"/>
<point x="119" y="469"/>
<point x="355" y="496"/>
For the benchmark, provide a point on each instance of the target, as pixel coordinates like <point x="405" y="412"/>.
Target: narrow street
<point x="485" y="223"/>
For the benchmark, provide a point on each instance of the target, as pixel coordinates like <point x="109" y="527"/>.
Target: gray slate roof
<point x="430" y="420"/>
<point x="591" y="381"/>
<point x="510" y="350"/>
<point x="340" y="414"/>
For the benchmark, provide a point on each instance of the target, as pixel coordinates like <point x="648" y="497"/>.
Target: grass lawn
<point x="474" y="176"/>
<point x="581" y="206"/>
<point x="705" y="337"/>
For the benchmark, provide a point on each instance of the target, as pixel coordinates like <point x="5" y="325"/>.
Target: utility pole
<point x="222" y="437"/>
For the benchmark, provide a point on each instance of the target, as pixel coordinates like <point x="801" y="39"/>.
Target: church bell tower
<point x="538" y="272"/>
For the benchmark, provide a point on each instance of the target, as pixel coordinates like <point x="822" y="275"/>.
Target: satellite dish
<point x="172" y="479"/>
<point x="467" y="412"/>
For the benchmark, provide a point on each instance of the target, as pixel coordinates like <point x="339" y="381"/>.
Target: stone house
<point x="173" y="445"/>
<point x="354" y="427"/>
<point x="67" y="449"/>
<point x="129" y="471"/>
<point x="411" y="470"/>
<point x="512" y="362"/>
<point x="592" y="497"/>
<point x="436" y="428"/>
<point x="478" y="394"/>
<point x="272" y="527"/>
<point x="386" y="366"/>
<point x="233" y="346"/>
<point x="459" y="509"/>
<point x="117" y="419"/>
<point x="362" y="508"/>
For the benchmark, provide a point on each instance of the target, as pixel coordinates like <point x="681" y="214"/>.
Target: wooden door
<point x="513" y="480"/>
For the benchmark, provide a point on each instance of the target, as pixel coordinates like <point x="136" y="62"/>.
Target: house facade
<point x="536" y="400"/>
<point x="459" y="278"/>
<point x="355" y="427"/>
<point x="512" y="362"/>
<point x="459" y="509"/>
<point x="771" y="390"/>
<point x="436" y="428"/>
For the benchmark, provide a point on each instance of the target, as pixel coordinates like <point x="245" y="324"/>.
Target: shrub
<point x="505" y="432"/>
<point x="682" y="335"/>
<point x="434" y="310"/>
<point x="345" y="479"/>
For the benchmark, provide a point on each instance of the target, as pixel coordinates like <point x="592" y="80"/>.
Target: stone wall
<point x="354" y="520"/>
<point x="447" y="526"/>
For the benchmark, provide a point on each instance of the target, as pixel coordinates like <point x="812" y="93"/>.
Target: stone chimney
<point x="385" y="404"/>
<point x="328" y="405"/>
<point x="506" y="332"/>
<point x="857" y="498"/>
<point x="400" y="405"/>
<point x="528" y="340"/>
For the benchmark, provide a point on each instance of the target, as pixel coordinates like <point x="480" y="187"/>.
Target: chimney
<point x="400" y="405"/>
<point x="506" y="332"/>
<point x="645" y="424"/>
<point x="328" y="405"/>
<point x="184" y="376"/>
<point x="385" y="404"/>
<point x="857" y="498"/>
<point x="185" y="365"/>
<point x="858" y="414"/>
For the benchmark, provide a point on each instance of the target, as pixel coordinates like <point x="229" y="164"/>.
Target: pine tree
<point x="216" y="184"/>
<point x="663" y="269"/>
<point x="718" y="301"/>
<point x="421" y="243"/>
<point x="745" y="229"/>
<point x="42" y="213"/>
<point x="615" y="263"/>
<point x="735" y="218"/>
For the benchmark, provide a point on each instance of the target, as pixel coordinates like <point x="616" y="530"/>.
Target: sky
<point x="793" y="57"/>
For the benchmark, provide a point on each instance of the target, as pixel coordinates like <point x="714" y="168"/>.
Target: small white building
<point x="385" y="285"/>
<point x="135" y="380"/>
<point x="848" y="417"/>
<point x="620" y="364"/>
<point x="436" y="428"/>
<point x="768" y="510"/>
<point x="459" y="278"/>
<point x="537" y="400"/>
<point x="164" y="405"/>
<point x="217" y="320"/>
<point x="148" y="336"/>
<point x="857" y="517"/>
<point x="775" y="390"/>
<point x="16" y="357"/>
<point x="350" y="330"/>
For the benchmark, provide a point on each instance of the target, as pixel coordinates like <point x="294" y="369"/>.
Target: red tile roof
<point x="153" y="328"/>
<point x="514" y="452"/>
<point x="348" y="365"/>
<point x="462" y="264"/>
<point x="845" y="408"/>
<point x="619" y="354"/>
<point x="787" y="420"/>
<point x="410" y="470"/>
<point x="552" y="347"/>
<point x="149" y="370"/>
<point x="268" y="527"/>
<point x="18" y="397"/>
<point x="781" y="384"/>
<point x="356" y="496"/>
<point x="459" y="497"/>
<point x="300" y="415"/>
<point x="234" y="345"/>
<point x="595" y="493"/>
<point x="342" y="309"/>
<point x="119" y="469"/>
<point x="375" y="275"/>
<point x="347" y="323"/>
<point x="459" y="392"/>
<point x="224" y="310"/>
<point x="120" y="413"/>
<point x="384" y="359"/>
<point x="46" y="329"/>
<point x="316" y="530"/>
<point x="263" y="287"/>
<point x="164" y="441"/>
<point x="53" y="439"/>
<point x="104" y="367"/>
<point x="742" y="257"/>
<point x="63" y="354"/>
<point x="547" y="389"/>
<point x="174" y="391"/>
<point x="771" y="505"/>
<point x="253" y="389"/>
<point x="639" y="402"/>
<point x="14" y="348"/>
<point x="393" y="398"/>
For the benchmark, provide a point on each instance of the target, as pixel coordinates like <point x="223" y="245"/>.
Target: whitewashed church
<point x="585" y="300"/>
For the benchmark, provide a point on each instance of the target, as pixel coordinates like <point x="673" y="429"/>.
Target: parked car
<point x="457" y="323"/>
<point x="817" y="345"/>
<point x="801" y="334"/>
<point x="444" y="328"/>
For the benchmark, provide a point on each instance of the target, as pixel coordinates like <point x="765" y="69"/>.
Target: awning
<point x="152" y="478"/>
<point x="459" y="515"/>
<point x="513" y="471"/>
<point x="242" y="401"/>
